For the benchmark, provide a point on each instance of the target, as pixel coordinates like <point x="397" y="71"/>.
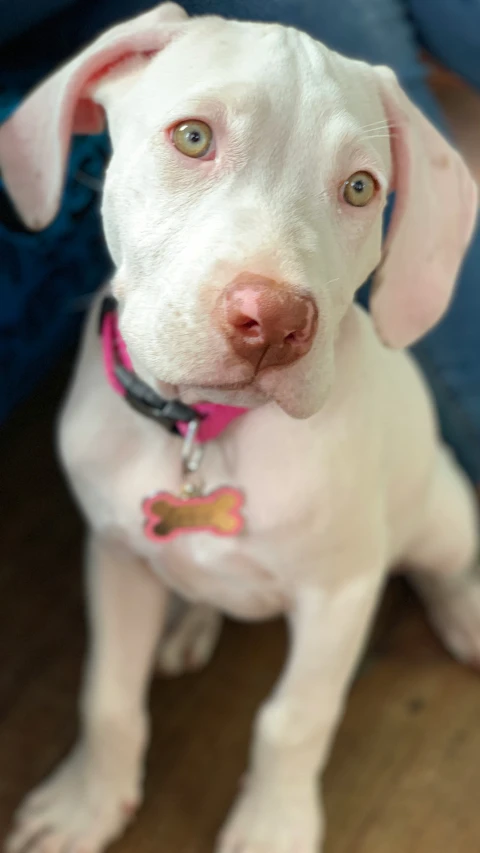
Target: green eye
<point x="359" y="189"/>
<point x="192" y="138"/>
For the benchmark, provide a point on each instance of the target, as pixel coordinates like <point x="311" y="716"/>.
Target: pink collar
<point x="214" y="417"/>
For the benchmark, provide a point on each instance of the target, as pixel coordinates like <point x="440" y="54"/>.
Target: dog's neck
<point x="214" y="418"/>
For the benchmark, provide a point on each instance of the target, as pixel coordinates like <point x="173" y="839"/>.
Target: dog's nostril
<point x="248" y="327"/>
<point x="298" y="336"/>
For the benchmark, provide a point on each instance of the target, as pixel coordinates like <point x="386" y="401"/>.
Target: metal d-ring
<point x="192" y="452"/>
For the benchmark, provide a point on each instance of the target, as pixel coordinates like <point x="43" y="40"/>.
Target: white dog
<point x="243" y="210"/>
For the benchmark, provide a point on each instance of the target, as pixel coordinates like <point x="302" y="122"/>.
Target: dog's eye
<point x="192" y="138"/>
<point x="359" y="189"/>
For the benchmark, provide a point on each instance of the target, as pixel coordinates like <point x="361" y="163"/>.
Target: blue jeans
<point x="387" y="32"/>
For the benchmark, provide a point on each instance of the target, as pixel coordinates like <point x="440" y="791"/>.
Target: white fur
<point x="339" y="458"/>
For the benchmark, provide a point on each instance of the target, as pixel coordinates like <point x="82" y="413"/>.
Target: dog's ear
<point x="35" y="140"/>
<point x="432" y="222"/>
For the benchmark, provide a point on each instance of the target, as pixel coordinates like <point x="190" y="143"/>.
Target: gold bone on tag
<point x="218" y="513"/>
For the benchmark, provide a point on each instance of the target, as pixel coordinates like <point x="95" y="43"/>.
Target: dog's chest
<point x="228" y="575"/>
<point x="246" y="574"/>
<point x="249" y="574"/>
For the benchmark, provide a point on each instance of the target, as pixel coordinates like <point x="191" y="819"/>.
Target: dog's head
<point x="243" y="201"/>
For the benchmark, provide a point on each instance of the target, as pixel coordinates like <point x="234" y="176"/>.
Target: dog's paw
<point x="274" y="821"/>
<point x="75" y="811"/>
<point x="191" y="641"/>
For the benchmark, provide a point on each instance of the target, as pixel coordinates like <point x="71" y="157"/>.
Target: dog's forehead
<point x="242" y="50"/>
<point x="212" y="55"/>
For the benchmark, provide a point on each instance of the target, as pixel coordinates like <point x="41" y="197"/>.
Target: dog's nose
<point x="266" y="322"/>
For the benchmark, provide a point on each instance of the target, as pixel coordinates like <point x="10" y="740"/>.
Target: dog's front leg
<point x="91" y="797"/>
<point x="279" y="809"/>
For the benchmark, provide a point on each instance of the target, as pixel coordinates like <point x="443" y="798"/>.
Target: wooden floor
<point x="404" y="776"/>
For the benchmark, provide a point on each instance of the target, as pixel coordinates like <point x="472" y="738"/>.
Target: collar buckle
<point x="141" y="396"/>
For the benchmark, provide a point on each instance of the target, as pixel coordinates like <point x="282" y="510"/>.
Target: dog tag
<point x="219" y="512"/>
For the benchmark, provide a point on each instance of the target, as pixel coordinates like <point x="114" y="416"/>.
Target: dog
<point x="243" y="210"/>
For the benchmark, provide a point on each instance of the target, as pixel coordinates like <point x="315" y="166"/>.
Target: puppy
<point x="243" y="210"/>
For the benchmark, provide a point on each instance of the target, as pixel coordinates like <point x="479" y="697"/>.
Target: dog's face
<point x="243" y="202"/>
<point x="233" y="150"/>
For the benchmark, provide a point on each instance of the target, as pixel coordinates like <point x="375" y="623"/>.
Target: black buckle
<point x="109" y="306"/>
<point x="141" y="396"/>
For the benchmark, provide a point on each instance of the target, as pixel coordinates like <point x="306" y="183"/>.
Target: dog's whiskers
<point x="384" y="123"/>
<point x="379" y="136"/>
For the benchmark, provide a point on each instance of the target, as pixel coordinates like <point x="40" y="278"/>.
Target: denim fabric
<point x="46" y="279"/>
<point x="450" y="29"/>
<point x="379" y="31"/>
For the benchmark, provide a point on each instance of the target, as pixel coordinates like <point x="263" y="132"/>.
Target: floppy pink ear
<point x="432" y="222"/>
<point x="35" y="140"/>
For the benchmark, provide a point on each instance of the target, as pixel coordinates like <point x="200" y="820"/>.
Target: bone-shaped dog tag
<point x="219" y="512"/>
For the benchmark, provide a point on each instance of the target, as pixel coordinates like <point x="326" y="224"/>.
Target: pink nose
<point x="267" y="324"/>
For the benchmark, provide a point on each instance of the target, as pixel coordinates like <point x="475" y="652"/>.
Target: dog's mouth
<point x="287" y="387"/>
<point x="252" y="383"/>
<point x="187" y="389"/>
<point x="221" y="386"/>
<point x="251" y="393"/>
<point x="292" y="396"/>
<point x="244" y="394"/>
